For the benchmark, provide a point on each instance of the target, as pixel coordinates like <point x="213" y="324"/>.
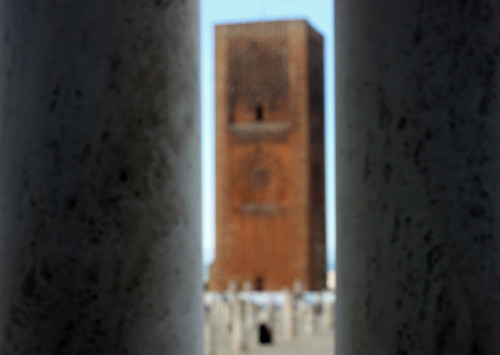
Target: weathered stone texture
<point x="99" y="178"/>
<point x="417" y="177"/>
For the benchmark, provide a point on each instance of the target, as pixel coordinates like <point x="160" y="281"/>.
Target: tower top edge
<point x="235" y="27"/>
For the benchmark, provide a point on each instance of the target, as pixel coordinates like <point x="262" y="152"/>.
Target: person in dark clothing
<point x="265" y="334"/>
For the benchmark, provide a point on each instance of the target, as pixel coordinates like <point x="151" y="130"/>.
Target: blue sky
<point x="319" y="13"/>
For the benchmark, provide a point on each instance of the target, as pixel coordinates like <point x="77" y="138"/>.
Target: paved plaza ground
<point x="304" y="326"/>
<point x="320" y="343"/>
<point x="317" y="344"/>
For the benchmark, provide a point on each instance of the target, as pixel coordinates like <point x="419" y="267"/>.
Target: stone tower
<point x="270" y="156"/>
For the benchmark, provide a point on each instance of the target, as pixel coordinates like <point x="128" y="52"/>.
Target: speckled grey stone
<point x="418" y="176"/>
<point x="99" y="177"/>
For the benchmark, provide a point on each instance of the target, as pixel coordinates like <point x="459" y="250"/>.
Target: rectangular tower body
<point x="269" y="156"/>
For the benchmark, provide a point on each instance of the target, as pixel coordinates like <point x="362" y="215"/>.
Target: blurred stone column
<point x="232" y="296"/>
<point x="308" y="319"/>
<point x="418" y="167"/>
<point x="301" y="314"/>
<point x="250" y="314"/>
<point x="289" y="316"/>
<point x="317" y="310"/>
<point x="271" y="318"/>
<point x="220" y="309"/>
<point x="328" y="315"/>
<point x="209" y="334"/>
<point x="100" y="177"/>
<point x="298" y="287"/>
<point x="249" y="307"/>
<point x="239" y="334"/>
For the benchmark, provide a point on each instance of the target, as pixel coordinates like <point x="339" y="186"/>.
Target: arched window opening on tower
<point x="259" y="113"/>
<point x="259" y="283"/>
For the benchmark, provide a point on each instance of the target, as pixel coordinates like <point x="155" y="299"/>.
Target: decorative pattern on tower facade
<point x="270" y="156"/>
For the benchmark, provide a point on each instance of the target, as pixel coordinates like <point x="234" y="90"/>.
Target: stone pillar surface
<point x="289" y="316"/>
<point x="309" y="319"/>
<point x="239" y="334"/>
<point x="209" y="335"/>
<point x="99" y="177"/>
<point x="232" y="297"/>
<point x="418" y="170"/>
<point x="272" y="321"/>
<point x="300" y="315"/>
<point x="328" y="315"/>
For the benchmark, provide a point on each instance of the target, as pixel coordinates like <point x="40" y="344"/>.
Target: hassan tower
<point x="270" y="206"/>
